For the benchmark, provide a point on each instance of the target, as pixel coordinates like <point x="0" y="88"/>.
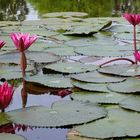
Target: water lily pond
<point x="81" y="80"/>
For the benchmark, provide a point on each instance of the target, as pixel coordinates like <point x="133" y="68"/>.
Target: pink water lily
<point x="137" y="55"/>
<point x="2" y="43"/>
<point x="133" y="19"/>
<point x="6" y="94"/>
<point x="23" y="41"/>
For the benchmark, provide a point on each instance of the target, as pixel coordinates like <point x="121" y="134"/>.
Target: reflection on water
<point x="31" y="9"/>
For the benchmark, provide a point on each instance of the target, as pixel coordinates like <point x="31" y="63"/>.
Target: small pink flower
<point x="133" y="19"/>
<point x="137" y="55"/>
<point x="2" y="43"/>
<point x="23" y="41"/>
<point x="6" y="94"/>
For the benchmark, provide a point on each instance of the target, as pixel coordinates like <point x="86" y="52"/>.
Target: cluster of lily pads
<point x="67" y="56"/>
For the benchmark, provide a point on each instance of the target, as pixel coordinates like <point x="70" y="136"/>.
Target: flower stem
<point x="23" y="63"/>
<point x="117" y="59"/>
<point x="135" y="46"/>
<point x="2" y="110"/>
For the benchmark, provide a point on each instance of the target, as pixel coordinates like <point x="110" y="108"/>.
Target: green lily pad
<point x="87" y="28"/>
<point x="7" y="136"/>
<point x="100" y="51"/>
<point x="131" y="85"/>
<point x="89" y="59"/>
<point x="121" y="70"/>
<point x="132" y="103"/>
<point x="91" y="41"/>
<point x="96" y="77"/>
<point x="39" y="57"/>
<point x="119" y="123"/>
<point x="51" y="80"/>
<point x="102" y="98"/>
<point x="10" y="72"/>
<point x="9" y="23"/>
<point x="64" y="14"/>
<point x="90" y="86"/>
<point x="126" y="36"/>
<point x="62" y="113"/>
<point x="4" y="119"/>
<point x="61" y="51"/>
<point x="121" y="28"/>
<point x="69" y="67"/>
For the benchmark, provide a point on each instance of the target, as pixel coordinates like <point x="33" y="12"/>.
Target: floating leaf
<point x="4" y="119"/>
<point x="67" y="51"/>
<point x="119" y="123"/>
<point x="100" y="51"/>
<point x="131" y="85"/>
<point x="64" y="14"/>
<point x="39" y="57"/>
<point x="91" y="41"/>
<point x="61" y="114"/>
<point x="126" y="36"/>
<point x="90" y="86"/>
<point x="103" y="98"/>
<point x="132" y="102"/>
<point x="89" y="59"/>
<point x="51" y="80"/>
<point x="69" y="67"/>
<point x="7" y="136"/>
<point x="9" y="72"/>
<point x="96" y="77"/>
<point x="121" y="70"/>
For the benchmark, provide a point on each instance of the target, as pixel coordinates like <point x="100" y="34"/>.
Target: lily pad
<point x="96" y="77"/>
<point x="90" y="86"/>
<point x="61" y="51"/>
<point x="131" y="85"/>
<point x="101" y="51"/>
<point x="62" y="113"/>
<point x="4" y="119"/>
<point x="132" y="103"/>
<point x="119" y="123"/>
<point x="121" y="70"/>
<point x="64" y="14"/>
<point x="51" y="80"/>
<point x="89" y="59"/>
<point x="7" y="136"/>
<point x="10" y="72"/>
<point x="126" y="36"/>
<point x="91" y="41"/>
<point x="102" y="98"/>
<point x="39" y="57"/>
<point x="69" y="67"/>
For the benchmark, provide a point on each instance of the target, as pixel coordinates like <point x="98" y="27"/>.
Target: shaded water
<point x="33" y="9"/>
